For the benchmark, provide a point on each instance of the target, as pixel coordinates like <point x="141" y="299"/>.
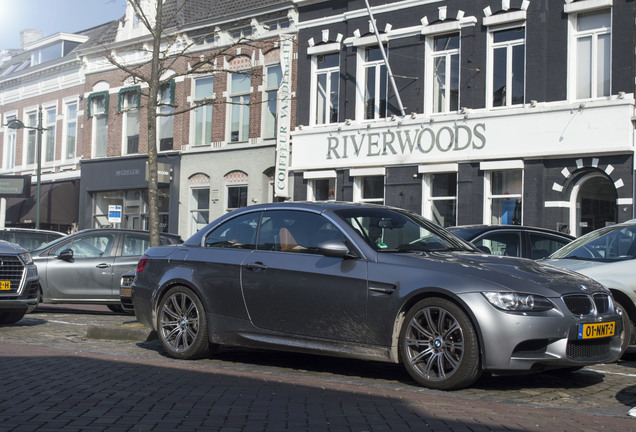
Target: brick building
<point x="515" y="112"/>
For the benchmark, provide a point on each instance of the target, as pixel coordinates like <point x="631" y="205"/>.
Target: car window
<point x="605" y="244"/>
<point x="135" y="244"/>
<point x="543" y="245"/>
<point x="239" y="232"/>
<point x="88" y="246"/>
<point x="296" y="231"/>
<point x="28" y="240"/>
<point x="391" y="231"/>
<point x="500" y="243"/>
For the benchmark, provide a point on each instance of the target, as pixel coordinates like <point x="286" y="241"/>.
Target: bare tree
<point x="168" y="50"/>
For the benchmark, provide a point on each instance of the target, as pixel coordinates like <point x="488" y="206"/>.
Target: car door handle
<point x="103" y="265"/>
<point x="257" y="266"/>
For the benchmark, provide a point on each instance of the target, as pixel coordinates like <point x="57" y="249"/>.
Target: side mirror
<point x="66" y="255"/>
<point x="335" y="249"/>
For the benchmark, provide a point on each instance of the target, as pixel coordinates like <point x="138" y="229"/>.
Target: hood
<point x="500" y="272"/>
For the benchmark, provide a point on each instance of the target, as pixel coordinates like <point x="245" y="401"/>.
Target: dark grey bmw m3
<point x="370" y="282"/>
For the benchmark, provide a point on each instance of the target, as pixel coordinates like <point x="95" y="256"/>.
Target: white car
<point x="607" y="255"/>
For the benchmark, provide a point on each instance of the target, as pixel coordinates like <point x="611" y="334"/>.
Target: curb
<point x="134" y="333"/>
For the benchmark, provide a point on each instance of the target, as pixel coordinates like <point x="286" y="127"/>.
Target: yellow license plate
<point x="5" y="285"/>
<point x="596" y="330"/>
<point x="125" y="292"/>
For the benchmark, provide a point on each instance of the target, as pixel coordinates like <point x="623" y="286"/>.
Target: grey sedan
<point x="86" y="267"/>
<point x="370" y="282"/>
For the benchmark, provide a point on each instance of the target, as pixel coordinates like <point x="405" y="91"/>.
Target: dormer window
<point x="52" y="52"/>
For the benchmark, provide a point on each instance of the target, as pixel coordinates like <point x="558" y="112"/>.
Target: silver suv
<point x="19" y="283"/>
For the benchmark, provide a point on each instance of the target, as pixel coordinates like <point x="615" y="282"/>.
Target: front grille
<point x="579" y="304"/>
<point x="588" y="350"/>
<point x="602" y="302"/>
<point x="11" y="269"/>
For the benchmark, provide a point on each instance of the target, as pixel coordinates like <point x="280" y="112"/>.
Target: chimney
<point x="29" y="36"/>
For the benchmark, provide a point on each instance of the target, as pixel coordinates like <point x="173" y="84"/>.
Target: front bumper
<point x="530" y="342"/>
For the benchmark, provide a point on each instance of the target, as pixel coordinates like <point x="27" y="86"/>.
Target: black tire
<point x="182" y="326"/>
<point x="116" y="308"/>
<point x="11" y="317"/>
<point x="438" y="345"/>
<point x="628" y="328"/>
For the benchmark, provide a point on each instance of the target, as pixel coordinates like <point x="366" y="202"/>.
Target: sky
<point x="54" y="16"/>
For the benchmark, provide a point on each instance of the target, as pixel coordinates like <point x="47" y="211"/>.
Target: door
<point x="290" y="288"/>
<point x="87" y="275"/>
<point x="595" y="204"/>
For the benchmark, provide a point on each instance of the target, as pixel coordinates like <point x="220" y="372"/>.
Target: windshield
<point x="390" y="230"/>
<point x="614" y="243"/>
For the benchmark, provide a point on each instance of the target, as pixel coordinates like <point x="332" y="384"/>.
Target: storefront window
<point x="322" y="190"/>
<point x="369" y="189"/>
<point x="505" y="197"/>
<point x="441" y="197"/>
<point x="134" y="205"/>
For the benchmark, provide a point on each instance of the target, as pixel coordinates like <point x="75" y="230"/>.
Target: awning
<point x="58" y="205"/>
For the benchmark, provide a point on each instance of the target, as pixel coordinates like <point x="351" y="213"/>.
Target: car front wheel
<point x="438" y="345"/>
<point x="182" y="326"/>
<point x="11" y="317"/>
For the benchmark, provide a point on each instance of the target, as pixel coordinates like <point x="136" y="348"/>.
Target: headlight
<point x="518" y="302"/>
<point x="26" y="258"/>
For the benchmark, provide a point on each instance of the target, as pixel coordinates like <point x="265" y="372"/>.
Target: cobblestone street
<point x="55" y="377"/>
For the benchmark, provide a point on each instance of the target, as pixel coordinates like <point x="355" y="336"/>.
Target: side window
<point x="543" y="245"/>
<point x="238" y="233"/>
<point x="296" y="231"/>
<point x="135" y="244"/>
<point x="89" y="246"/>
<point x="508" y="244"/>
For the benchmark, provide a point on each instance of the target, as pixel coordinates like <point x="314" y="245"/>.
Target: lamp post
<point x="17" y="124"/>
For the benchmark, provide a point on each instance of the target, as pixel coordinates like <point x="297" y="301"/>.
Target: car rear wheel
<point x="438" y="345"/>
<point x="11" y="317"/>
<point x="182" y="326"/>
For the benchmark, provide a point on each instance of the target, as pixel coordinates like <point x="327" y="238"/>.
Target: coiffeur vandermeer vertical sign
<point x="283" y="116"/>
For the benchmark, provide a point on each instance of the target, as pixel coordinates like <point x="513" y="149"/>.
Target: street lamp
<point x="17" y="124"/>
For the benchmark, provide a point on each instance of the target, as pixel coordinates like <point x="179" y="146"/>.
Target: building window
<point x="99" y="112"/>
<point x="592" y="39"/>
<point x="440" y="198"/>
<point x="135" y="208"/>
<point x="236" y="188"/>
<point x="327" y="79"/>
<point x="165" y="121"/>
<point x="273" y="77"/>
<point x="504" y="191"/>
<point x="321" y="189"/>
<point x="508" y="67"/>
<point x="129" y="102"/>
<point x="445" y="73"/>
<point x="240" y="108"/>
<point x="30" y="137"/>
<point x="203" y="94"/>
<point x="200" y="209"/>
<point x="375" y="84"/>
<point x="70" y="134"/>
<point x="369" y="189"/>
<point x="8" y="159"/>
<point x="49" y="121"/>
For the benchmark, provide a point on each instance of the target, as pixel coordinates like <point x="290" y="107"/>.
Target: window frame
<point x="489" y="196"/>
<point x="99" y="117"/>
<point x="267" y="112"/>
<point x="509" y="47"/>
<point x="206" y="114"/>
<point x="363" y="66"/>
<point x="130" y="107"/>
<point x="430" y="58"/>
<point x="428" y="199"/>
<point x="240" y="105"/>
<point x="10" y="142"/>
<point x="68" y="121"/>
<point x="328" y="72"/>
<point x="574" y="35"/>
<point x="29" y="138"/>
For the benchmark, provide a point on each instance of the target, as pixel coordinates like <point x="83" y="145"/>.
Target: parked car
<point x="19" y="283"/>
<point x="125" y="291"/>
<point x="370" y="282"/>
<point x="513" y="240"/>
<point x="607" y="255"/>
<point x="28" y="238"/>
<point x="86" y="267"/>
